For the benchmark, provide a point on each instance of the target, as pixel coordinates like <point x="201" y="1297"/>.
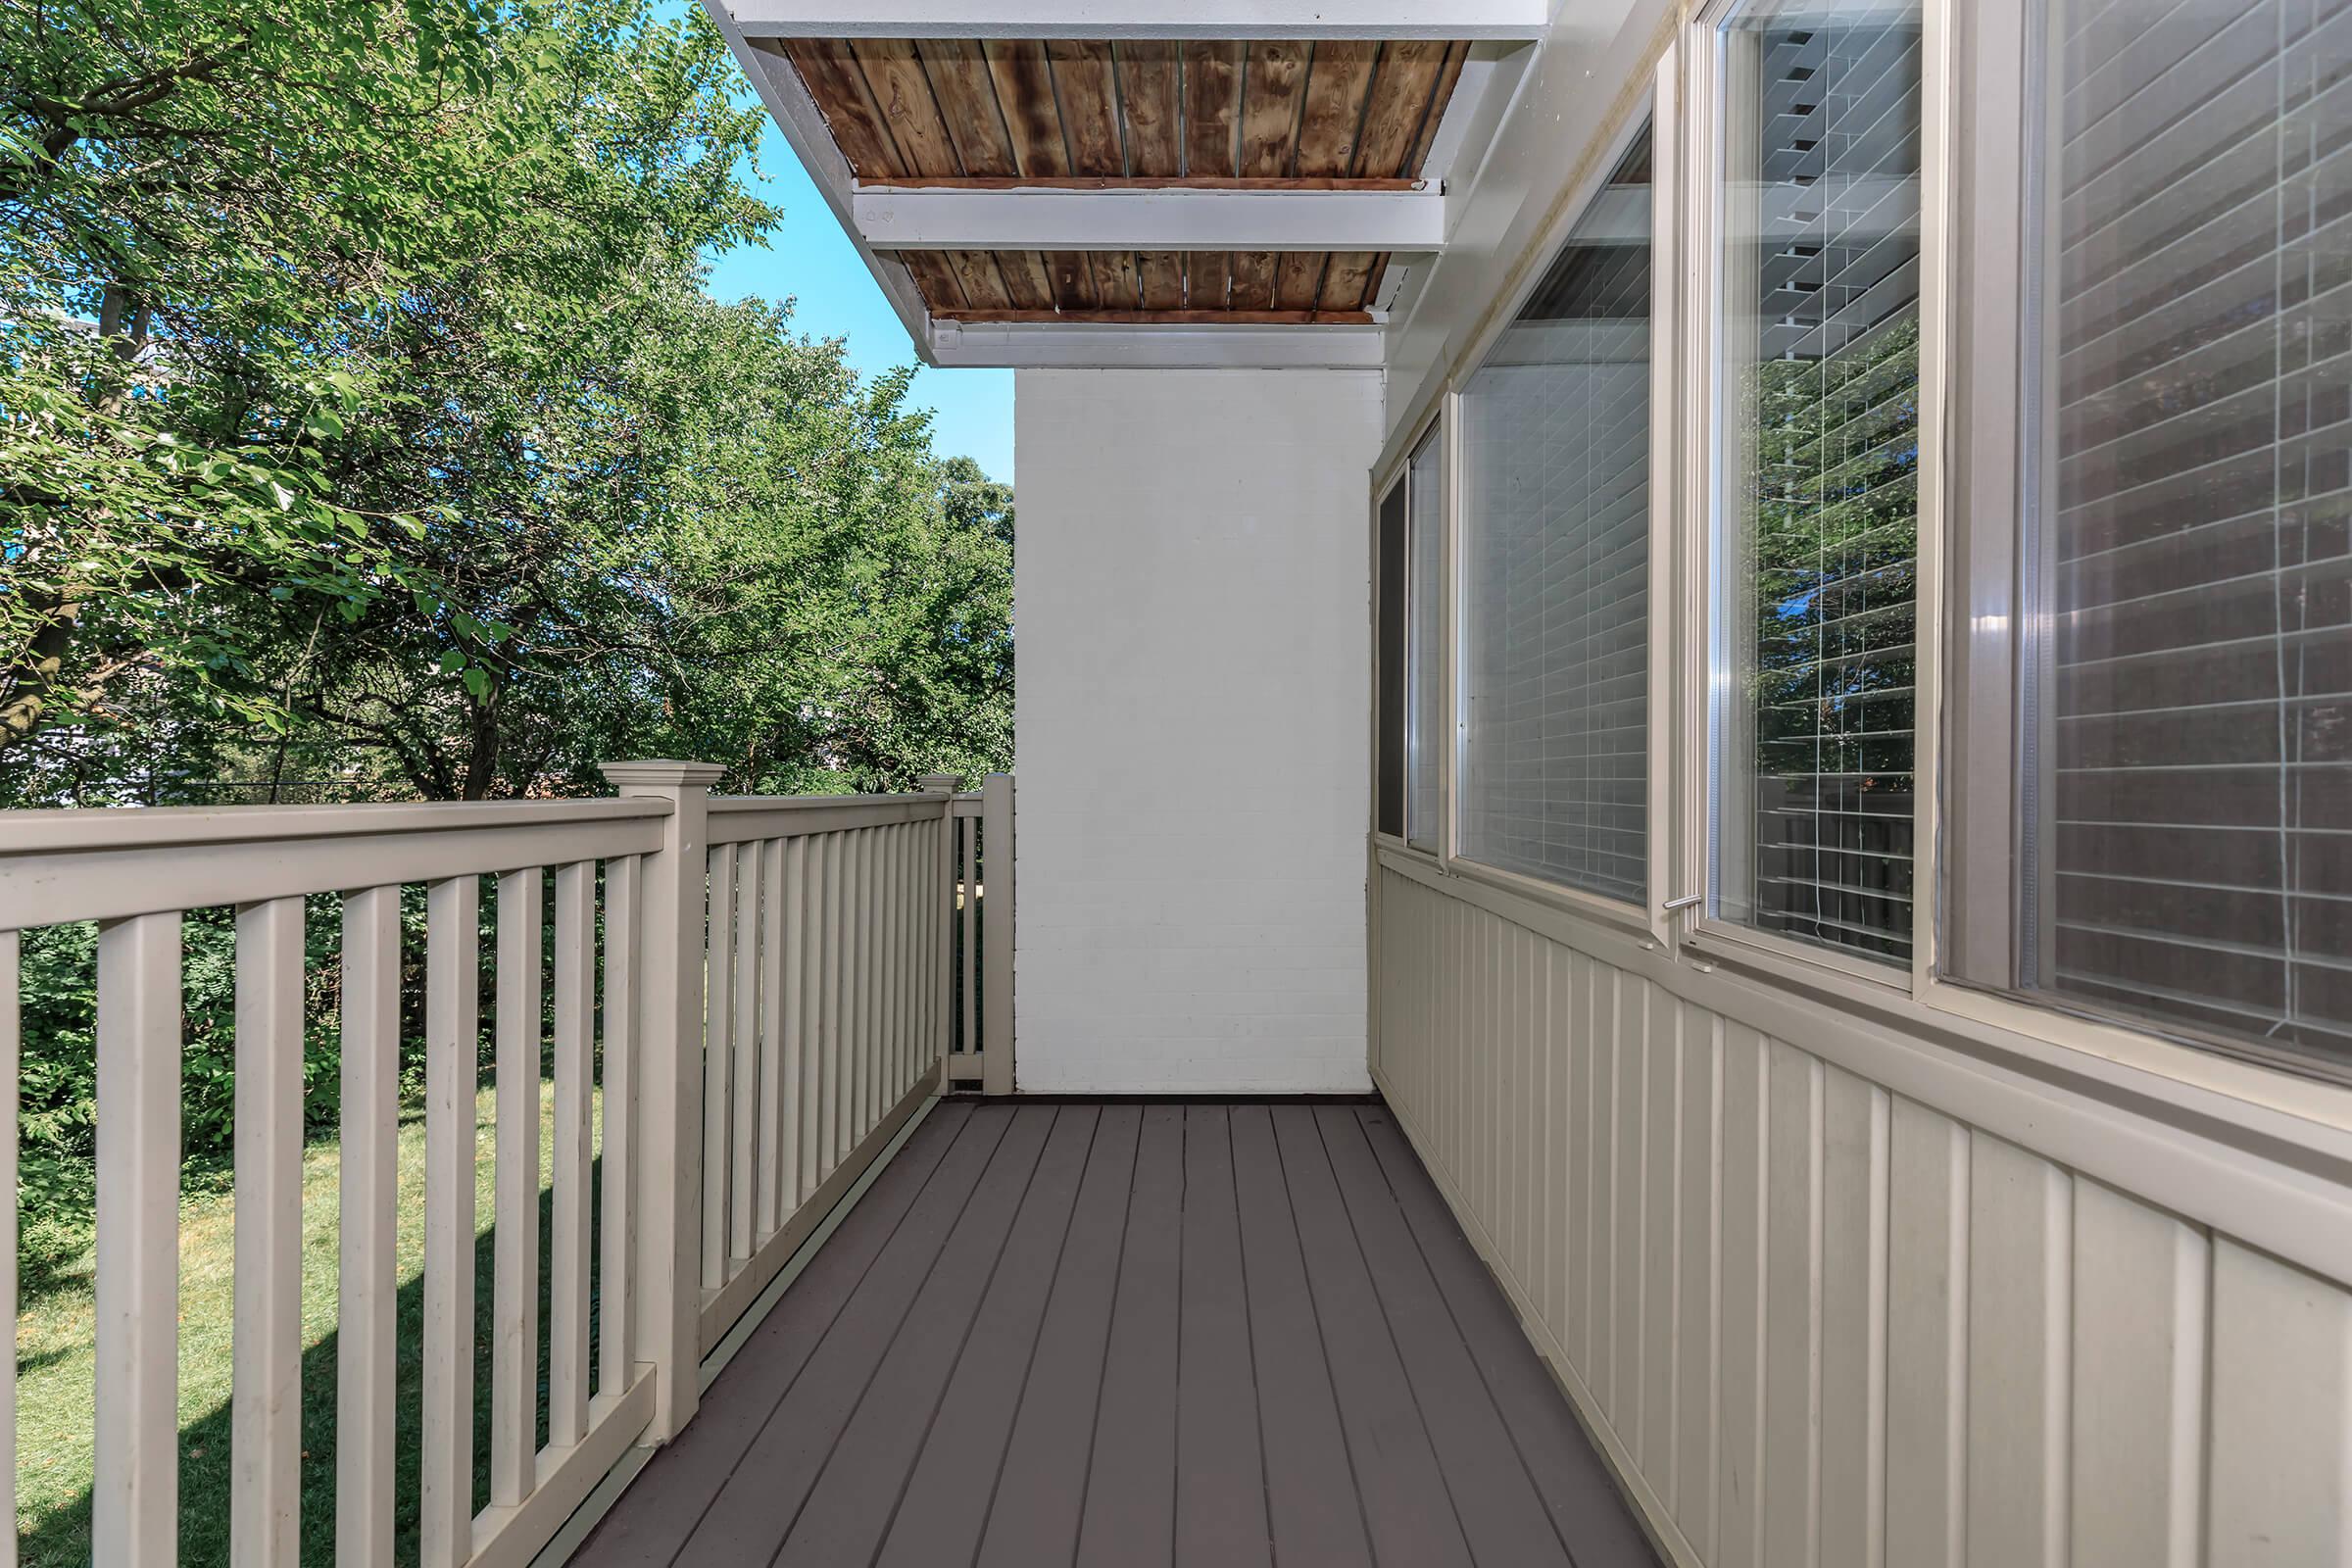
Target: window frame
<point x="1653" y="112"/>
<point x="2000" y="324"/>
<point x="1399" y="473"/>
<point x="1708" y="936"/>
<point x="1655" y="109"/>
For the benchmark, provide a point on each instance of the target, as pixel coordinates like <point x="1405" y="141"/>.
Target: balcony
<point x="797" y="1284"/>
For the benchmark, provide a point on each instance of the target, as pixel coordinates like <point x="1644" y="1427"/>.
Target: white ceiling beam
<point x="1077" y="347"/>
<point x="1521" y="20"/>
<point x="1047" y="218"/>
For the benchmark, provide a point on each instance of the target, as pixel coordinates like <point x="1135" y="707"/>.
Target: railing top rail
<point x="99" y="864"/>
<point x="738" y="819"/>
<point x="723" y="804"/>
<point x="85" y="829"/>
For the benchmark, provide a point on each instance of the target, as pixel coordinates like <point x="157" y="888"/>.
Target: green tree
<point x="187" y="192"/>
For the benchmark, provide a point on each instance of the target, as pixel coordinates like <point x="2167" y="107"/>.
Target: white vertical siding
<point x="1818" y="1321"/>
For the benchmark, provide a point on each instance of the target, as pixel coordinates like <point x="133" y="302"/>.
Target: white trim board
<point x="1075" y="346"/>
<point x="1137" y="19"/>
<point x="1047" y="219"/>
<point x="787" y="101"/>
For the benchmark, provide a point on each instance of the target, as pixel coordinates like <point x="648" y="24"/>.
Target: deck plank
<point x="1311" y="1500"/>
<point x="1571" y="1475"/>
<point x="866" y="1469"/>
<point x="1129" y="1518"/>
<point x="1220" y="1474"/>
<point x="1056" y="1334"/>
<point x="1495" y="1497"/>
<point x="1406" y="1506"/>
<point x="761" y="1500"/>
<point x="1040" y="1490"/>
<point x="944" y="1507"/>
<point x="677" y="1484"/>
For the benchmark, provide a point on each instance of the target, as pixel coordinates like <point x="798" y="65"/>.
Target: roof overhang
<point x="1096" y="182"/>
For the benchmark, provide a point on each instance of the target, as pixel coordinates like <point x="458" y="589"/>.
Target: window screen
<point x="1818" y="411"/>
<point x="1389" y="719"/>
<point x="1556" y="563"/>
<point x="1424" y="662"/>
<point x="2192" y="805"/>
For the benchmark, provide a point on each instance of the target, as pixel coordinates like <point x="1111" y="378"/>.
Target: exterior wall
<point x="1193" y="724"/>
<point x="1829" y="1292"/>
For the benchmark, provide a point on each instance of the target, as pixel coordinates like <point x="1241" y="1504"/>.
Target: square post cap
<point x="939" y="783"/>
<point x="660" y="773"/>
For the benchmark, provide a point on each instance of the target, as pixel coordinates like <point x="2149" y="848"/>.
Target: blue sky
<point x="809" y="258"/>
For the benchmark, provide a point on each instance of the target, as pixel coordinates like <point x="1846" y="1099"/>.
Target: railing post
<point x="943" y="921"/>
<point x="997" y="898"/>
<point x="672" y="895"/>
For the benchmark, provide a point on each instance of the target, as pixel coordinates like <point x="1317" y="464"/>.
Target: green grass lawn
<point x="55" y="1398"/>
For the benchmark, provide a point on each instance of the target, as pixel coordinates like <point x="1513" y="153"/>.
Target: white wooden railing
<point x="778" y="991"/>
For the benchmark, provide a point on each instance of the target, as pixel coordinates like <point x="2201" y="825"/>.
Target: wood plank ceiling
<point x="1328" y="115"/>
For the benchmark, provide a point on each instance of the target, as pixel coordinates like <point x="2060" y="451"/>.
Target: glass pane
<point x="1818" y="406"/>
<point x="1425" y="702"/>
<point x="1389" y="722"/>
<point x="2194" y="802"/>
<point x="1556" y="563"/>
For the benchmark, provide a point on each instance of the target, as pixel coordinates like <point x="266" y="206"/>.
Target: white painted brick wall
<point x="1191" y="602"/>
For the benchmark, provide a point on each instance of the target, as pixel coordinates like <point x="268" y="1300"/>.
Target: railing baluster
<point x="10" y="1054"/>
<point x="718" y="1015"/>
<point x="919" y="954"/>
<point x="265" y="1500"/>
<point x="514" y="1281"/>
<point x="886" y="1021"/>
<point x="894" y="908"/>
<point x="877" y="971"/>
<point x="857" y="904"/>
<point x="910" y="1020"/>
<point x="969" y="870"/>
<point x="809" y="950"/>
<point x="831" y="1000"/>
<point x="744" y="1139"/>
<point x="615" y="1282"/>
<point x="877" y="974"/>
<point x="366" y="1286"/>
<point x="134" y="1494"/>
<point x="938" y="905"/>
<point x="776" y="928"/>
<point x="568" y="1253"/>
<point x="452" y="1046"/>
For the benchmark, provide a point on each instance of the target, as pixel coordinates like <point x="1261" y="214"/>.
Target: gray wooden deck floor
<point x="1127" y="1335"/>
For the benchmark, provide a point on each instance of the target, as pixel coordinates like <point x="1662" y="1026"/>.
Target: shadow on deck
<point x="1119" y="1334"/>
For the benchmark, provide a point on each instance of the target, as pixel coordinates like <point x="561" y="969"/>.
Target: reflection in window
<point x="1818" y="409"/>
<point x="1555" y="563"/>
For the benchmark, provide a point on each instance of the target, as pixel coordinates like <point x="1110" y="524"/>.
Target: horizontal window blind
<point x="1425" y="661"/>
<point x="1821" y="290"/>
<point x="1555" y="642"/>
<point x="2194" y="797"/>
